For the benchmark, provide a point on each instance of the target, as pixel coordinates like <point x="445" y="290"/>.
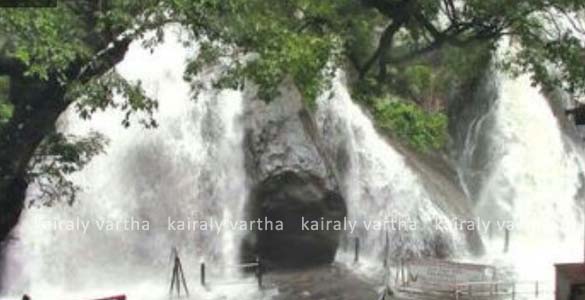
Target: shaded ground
<point x="333" y="282"/>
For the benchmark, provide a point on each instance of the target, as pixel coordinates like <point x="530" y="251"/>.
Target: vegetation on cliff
<point x="414" y="49"/>
<point x="6" y="108"/>
<point x="424" y="130"/>
<point x="412" y="105"/>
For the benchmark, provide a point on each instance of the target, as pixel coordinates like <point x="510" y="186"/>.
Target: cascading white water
<point x="188" y="169"/>
<point x="531" y="178"/>
<point x="378" y="184"/>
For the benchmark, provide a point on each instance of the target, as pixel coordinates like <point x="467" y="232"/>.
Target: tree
<point x="547" y="32"/>
<point x="52" y="58"/>
<point x="307" y="39"/>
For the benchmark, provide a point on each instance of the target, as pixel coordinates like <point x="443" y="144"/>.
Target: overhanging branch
<point x="438" y="44"/>
<point x="384" y="44"/>
<point x="111" y="56"/>
<point x="105" y="60"/>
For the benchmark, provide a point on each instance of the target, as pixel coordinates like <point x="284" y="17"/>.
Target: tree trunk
<point x="37" y="105"/>
<point x="386" y="43"/>
<point x="384" y="46"/>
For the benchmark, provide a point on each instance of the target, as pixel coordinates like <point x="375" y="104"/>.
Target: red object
<point x="119" y="297"/>
<point x="570" y="282"/>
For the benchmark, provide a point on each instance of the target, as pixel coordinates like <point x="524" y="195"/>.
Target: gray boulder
<point x="291" y="181"/>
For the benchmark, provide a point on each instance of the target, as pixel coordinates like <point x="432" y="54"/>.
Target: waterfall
<point x="191" y="168"/>
<point x="380" y="186"/>
<point x="153" y="188"/>
<point x="525" y="173"/>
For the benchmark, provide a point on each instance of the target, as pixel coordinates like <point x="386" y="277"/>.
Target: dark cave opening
<point x="293" y="198"/>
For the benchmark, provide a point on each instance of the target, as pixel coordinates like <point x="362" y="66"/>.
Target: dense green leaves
<point x="423" y="130"/>
<point x="45" y="40"/>
<point x="99" y="94"/>
<point x="6" y="108"/>
<point x="266" y="42"/>
<point x="57" y="157"/>
<point x="437" y="45"/>
<point x="302" y="57"/>
<point x="64" y="55"/>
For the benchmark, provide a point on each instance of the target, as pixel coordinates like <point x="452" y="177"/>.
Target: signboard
<point x="442" y="276"/>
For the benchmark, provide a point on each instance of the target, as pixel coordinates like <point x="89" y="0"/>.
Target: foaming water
<point x="378" y="185"/>
<point x="189" y="169"/>
<point x="531" y="181"/>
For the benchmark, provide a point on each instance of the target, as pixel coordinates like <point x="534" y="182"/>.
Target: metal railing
<point x="257" y="266"/>
<point x="179" y="283"/>
<point x="503" y="289"/>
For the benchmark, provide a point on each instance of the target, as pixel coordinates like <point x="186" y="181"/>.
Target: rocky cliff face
<point x="382" y="179"/>
<point x="574" y="135"/>
<point x="471" y="118"/>
<point x="290" y="180"/>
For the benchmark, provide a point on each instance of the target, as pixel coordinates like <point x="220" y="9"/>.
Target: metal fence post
<point x="357" y="250"/>
<point x="202" y="273"/>
<point x="536" y="289"/>
<point x="386" y="250"/>
<point x="259" y="271"/>
<point x="506" y="240"/>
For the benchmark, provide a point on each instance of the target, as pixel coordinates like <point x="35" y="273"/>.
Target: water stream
<point x="148" y="182"/>
<point x="379" y="186"/>
<point x="530" y="178"/>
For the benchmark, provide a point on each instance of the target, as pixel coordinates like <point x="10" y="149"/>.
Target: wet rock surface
<point x="291" y="181"/>
<point x="280" y="137"/>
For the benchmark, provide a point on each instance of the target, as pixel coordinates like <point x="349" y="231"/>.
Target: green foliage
<point x="68" y="41"/>
<point x="424" y="131"/>
<point x="45" y="40"/>
<point x="302" y="57"/>
<point x="57" y="157"/>
<point x="6" y="107"/>
<point x="98" y="95"/>
<point x="461" y="64"/>
<point x="71" y="50"/>
<point x="439" y="45"/>
<point x="266" y="42"/>
<point x="49" y="40"/>
<point x="424" y="80"/>
<point x="421" y="80"/>
<point x="6" y="111"/>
